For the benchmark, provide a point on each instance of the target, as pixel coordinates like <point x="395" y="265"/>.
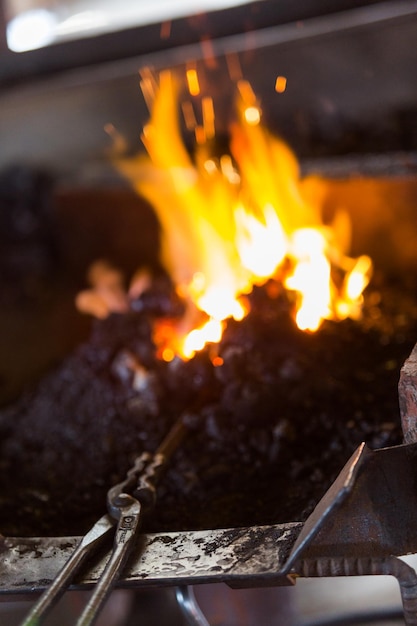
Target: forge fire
<point x="302" y="364"/>
<point x="235" y="220"/>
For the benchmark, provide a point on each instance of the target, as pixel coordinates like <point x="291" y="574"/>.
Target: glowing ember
<point x="234" y="221"/>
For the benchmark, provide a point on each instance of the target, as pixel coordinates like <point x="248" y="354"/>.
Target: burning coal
<point x="238" y="220"/>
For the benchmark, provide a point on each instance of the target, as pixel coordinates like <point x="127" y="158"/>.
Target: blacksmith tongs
<point x="125" y="504"/>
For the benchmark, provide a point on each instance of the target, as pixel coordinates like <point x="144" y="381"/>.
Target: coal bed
<point x="270" y="426"/>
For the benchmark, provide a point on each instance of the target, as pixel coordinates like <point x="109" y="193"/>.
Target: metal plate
<point x="239" y="556"/>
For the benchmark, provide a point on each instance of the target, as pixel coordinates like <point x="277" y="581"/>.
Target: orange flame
<point x="230" y="222"/>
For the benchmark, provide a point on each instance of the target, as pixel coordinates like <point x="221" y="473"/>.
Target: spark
<point x="166" y="29"/>
<point x="233" y="66"/>
<point x="189" y="115"/>
<point x="280" y="84"/>
<point x="200" y="135"/>
<point x="148" y="86"/>
<point x="193" y="82"/>
<point x="246" y="92"/>
<point x="208" y="117"/>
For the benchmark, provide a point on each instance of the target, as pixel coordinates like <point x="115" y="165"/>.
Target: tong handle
<point x="59" y="585"/>
<point x="127" y="527"/>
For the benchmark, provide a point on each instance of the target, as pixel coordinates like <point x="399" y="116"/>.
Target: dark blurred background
<point x="349" y="66"/>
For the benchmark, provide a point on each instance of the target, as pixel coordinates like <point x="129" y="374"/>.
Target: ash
<point x="270" y="428"/>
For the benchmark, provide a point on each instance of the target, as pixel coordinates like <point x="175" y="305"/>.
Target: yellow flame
<point x="210" y="332"/>
<point x="358" y="278"/>
<point x="310" y="278"/>
<point x="230" y="222"/>
<point x="262" y="245"/>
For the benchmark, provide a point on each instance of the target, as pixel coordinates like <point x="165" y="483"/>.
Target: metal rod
<point x="189" y="606"/>
<point x="173" y="439"/>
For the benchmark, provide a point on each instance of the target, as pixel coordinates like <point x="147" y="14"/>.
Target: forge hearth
<point x="279" y="419"/>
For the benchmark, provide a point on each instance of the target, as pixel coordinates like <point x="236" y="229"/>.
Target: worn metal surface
<point x="370" y="510"/>
<point x="239" y="556"/>
<point x="365" y="521"/>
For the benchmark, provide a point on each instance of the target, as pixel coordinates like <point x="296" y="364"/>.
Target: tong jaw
<point x="140" y="481"/>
